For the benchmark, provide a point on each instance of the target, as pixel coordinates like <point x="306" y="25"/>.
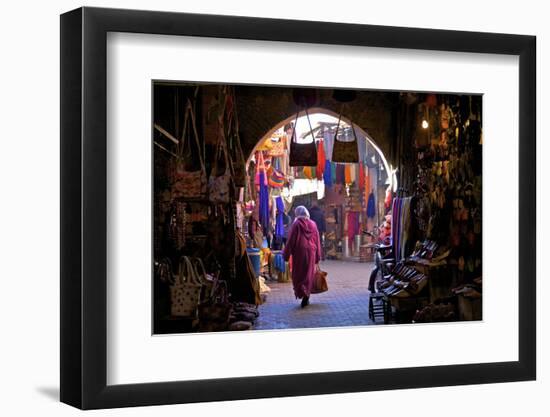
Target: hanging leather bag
<point x="188" y="184"/>
<point x="238" y="159"/>
<point x="345" y="152"/>
<point x="302" y="154"/>
<point x="206" y="280"/>
<point x="214" y="313"/>
<point x="185" y="292"/>
<point x="220" y="186"/>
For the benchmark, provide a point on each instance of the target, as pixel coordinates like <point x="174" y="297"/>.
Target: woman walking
<point x="304" y="246"/>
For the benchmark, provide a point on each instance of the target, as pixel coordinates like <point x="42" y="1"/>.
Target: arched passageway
<point x="346" y="201"/>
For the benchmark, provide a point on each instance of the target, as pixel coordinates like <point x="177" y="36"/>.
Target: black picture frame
<point x="84" y="207"/>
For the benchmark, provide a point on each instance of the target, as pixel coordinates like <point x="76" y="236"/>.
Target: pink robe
<point x="304" y="245"/>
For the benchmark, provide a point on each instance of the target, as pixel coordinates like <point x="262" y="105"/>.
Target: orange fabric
<point x="308" y="173"/>
<point x="347" y="174"/>
<point x="320" y="160"/>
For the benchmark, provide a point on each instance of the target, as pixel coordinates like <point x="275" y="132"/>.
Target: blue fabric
<point x="279" y="226"/>
<point x="327" y="174"/>
<point x="371" y="206"/>
<point x="264" y="204"/>
<point x="279" y="262"/>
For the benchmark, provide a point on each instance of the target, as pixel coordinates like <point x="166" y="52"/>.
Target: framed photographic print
<point x="256" y="208"/>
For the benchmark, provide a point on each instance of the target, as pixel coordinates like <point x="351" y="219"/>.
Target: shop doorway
<point x="349" y="204"/>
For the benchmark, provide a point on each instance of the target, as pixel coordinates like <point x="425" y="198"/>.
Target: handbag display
<point x="205" y="279"/>
<point x="214" y="313"/>
<point x="346" y="152"/>
<point x="220" y="186"/>
<point x="238" y="160"/>
<point x="185" y="291"/>
<point x="319" y="282"/>
<point x="278" y="148"/>
<point x="185" y="183"/>
<point x="275" y="179"/>
<point x="302" y="154"/>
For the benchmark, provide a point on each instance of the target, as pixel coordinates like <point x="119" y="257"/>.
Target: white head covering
<point x="301" y="211"/>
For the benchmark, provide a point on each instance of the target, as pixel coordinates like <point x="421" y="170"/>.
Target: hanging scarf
<point x="320" y="160"/>
<point x="279" y="226"/>
<point x="264" y="202"/>
<point x="327" y="174"/>
<point x="260" y="167"/>
<point x="366" y="192"/>
<point x="371" y="206"/>
<point x="308" y="173"/>
<point x="347" y="174"/>
<point x="361" y="176"/>
<point x="340" y="174"/>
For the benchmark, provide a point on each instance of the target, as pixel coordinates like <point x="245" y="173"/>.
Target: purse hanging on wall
<point x="236" y="151"/>
<point x="220" y="186"/>
<point x="302" y="154"/>
<point x="185" y="183"/>
<point x="186" y="290"/>
<point x="346" y="152"/>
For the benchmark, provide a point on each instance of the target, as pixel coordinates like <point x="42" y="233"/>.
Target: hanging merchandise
<point x="371" y="206"/>
<point x="347" y="174"/>
<point x="185" y="292"/>
<point x="188" y="184"/>
<point x="220" y="186"/>
<point x="264" y="203"/>
<point x="238" y="161"/>
<point x="275" y="179"/>
<point x="177" y="224"/>
<point x="279" y="225"/>
<point x="340" y="173"/>
<point x="367" y="186"/>
<point x="361" y="174"/>
<point x="319" y="171"/>
<point x="345" y="151"/>
<point x="278" y="146"/>
<point x="302" y="154"/>
<point x="327" y="174"/>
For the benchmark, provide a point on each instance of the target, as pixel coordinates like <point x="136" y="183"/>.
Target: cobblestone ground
<point x="344" y="304"/>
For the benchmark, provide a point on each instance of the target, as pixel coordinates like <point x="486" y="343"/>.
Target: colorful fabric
<point x="279" y="225"/>
<point x="347" y="174"/>
<point x="340" y="174"/>
<point x="308" y="173"/>
<point x="327" y="174"/>
<point x="264" y="203"/>
<point x="304" y="245"/>
<point x="361" y="181"/>
<point x="366" y="191"/>
<point x="321" y="160"/>
<point x="371" y="206"/>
